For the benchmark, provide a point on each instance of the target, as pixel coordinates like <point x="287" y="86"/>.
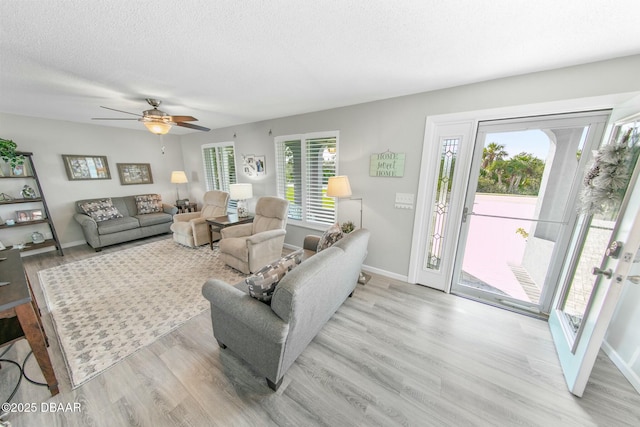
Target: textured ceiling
<point x="236" y="61"/>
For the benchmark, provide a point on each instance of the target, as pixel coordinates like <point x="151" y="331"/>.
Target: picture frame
<point x="261" y="165"/>
<point x="86" y="167"/>
<point x="135" y="173"/>
<point x="36" y="214"/>
<point x="254" y="166"/>
<point x="23" y="216"/>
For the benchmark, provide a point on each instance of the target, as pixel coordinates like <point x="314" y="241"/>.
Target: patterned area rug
<point x="106" y="307"/>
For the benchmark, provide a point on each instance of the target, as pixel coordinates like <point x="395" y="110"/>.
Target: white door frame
<point x="439" y="125"/>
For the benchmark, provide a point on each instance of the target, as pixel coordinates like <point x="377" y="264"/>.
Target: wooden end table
<point x="220" y="222"/>
<point x="17" y="302"/>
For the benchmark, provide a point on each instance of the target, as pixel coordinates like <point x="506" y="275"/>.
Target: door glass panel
<point x="605" y="185"/>
<point x="520" y="208"/>
<point x="525" y="186"/>
<point x="448" y="153"/>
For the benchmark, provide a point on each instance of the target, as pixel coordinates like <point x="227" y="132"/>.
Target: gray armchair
<point x="249" y="247"/>
<point x="191" y="228"/>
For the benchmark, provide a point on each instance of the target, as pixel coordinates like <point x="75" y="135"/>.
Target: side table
<point x="187" y="207"/>
<point x="17" y="302"/>
<point x="220" y="222"/>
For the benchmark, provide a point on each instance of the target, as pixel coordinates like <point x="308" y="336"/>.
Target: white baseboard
<point x="76" y="243"/>
<point x="385" y="273"/>
<point x="629" y="374"/>
<point x="367" y="268"/>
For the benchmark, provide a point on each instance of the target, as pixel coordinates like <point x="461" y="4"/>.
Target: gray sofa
<point x="270" y="338"/>
<point x="103" y="227"/>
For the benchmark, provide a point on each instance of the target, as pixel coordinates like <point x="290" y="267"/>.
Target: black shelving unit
<point x="31" y="174"/>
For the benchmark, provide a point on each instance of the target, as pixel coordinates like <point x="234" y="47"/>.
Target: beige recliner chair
<point x="191" y="228"/>
<point x="249" y="247"/>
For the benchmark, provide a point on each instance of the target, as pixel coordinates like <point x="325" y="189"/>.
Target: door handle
<point x="634" y="279"/>
<point x="599" y="272"/>
<point x="465" y="212"/>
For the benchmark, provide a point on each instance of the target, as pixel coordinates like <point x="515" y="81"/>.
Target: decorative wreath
<point x="606" y="181"/>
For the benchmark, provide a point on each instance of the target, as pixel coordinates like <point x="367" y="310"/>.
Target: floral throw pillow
<point x="263" y="283"/>
<point x="329" y="237"/>
<point x="149" y="203"/>
<point x="100" y="210"/>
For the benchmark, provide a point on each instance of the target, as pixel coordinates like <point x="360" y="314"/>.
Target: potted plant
<point x="347" y="227"/>
<point x="9" y="154"/>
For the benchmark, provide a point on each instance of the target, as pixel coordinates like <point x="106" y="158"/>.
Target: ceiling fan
<point x="157" y="121"/>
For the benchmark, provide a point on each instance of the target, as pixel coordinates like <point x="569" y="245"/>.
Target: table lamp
<point x="241" y="192"/>
<point x="178" y="177"/>
<point x="339" y="187"/>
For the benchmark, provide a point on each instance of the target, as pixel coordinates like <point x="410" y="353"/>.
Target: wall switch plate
<point x="404" y="200"/>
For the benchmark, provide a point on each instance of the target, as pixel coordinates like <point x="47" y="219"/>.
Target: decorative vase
<point x="37" y="237"/>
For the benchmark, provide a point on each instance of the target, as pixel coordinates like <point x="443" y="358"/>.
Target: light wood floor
<point x="394" y="354"/>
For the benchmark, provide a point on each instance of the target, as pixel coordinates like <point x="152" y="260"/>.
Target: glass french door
<point x="602" y="251"/>
<point x="520" y="208"/>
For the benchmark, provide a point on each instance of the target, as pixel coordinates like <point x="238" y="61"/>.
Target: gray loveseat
<point x="111" y="220"/>
<point x="270" y="338"/>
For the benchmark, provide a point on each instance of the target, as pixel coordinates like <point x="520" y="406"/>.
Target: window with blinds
<point x="304" y="164"/>
<point x="219" y="166"/>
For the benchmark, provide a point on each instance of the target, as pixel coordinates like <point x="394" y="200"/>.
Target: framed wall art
<point x="387" y="164"/>
<point x="254" y="165"/>
<point x="83" y="167"/>
<point x="134" y="173"/>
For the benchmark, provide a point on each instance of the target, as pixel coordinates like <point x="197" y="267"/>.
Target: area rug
<point x="109" y="306"/>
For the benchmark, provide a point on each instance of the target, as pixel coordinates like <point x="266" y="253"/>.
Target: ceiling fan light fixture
<point x="158" y="127"/>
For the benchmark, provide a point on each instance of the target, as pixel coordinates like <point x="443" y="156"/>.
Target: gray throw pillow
<point x="263" y="283"/>
<point x="100" y="210"/>
<point x="149" y="203"/>
<point x="329" y="237"/>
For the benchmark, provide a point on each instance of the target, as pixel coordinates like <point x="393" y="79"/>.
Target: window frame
<point x="306" y="195"/>
<point x="228" y="178"/>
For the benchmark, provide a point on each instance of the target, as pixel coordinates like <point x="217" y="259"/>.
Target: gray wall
<point x="395" y="124"/>
<point x="398" y="125"/>
<point x="49" y="139"/>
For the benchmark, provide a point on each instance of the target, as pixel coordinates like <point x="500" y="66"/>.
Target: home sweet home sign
<point x="387" y="164"/>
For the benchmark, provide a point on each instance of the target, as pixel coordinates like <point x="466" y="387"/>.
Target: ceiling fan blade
<point x="192" y="126"/>
<point x="182" y="119"/>
<point x="108" y="118"/>
<point x="120" y="111"/>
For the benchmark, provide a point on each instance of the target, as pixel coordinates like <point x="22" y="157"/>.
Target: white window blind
<point x="219" y="166"/>
<point x="304" y="164"/>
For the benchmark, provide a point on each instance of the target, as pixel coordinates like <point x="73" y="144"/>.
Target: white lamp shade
<point x="178" y="177"/>
<point x="339" y="186"/>
<point x="240" y="191"/>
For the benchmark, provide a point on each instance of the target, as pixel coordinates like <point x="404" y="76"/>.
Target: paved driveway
<point x="493" y="244"/>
